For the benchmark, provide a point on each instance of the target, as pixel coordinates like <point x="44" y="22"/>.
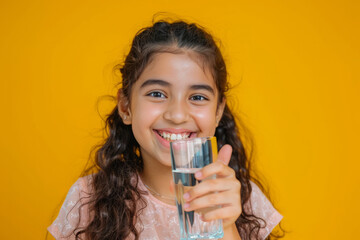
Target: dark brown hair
<point x="114" y="203"/>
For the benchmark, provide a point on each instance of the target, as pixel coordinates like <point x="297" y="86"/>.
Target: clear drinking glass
<point x="187" y="157"/>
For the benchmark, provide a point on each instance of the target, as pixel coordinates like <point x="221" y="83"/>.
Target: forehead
<point x="178" y="69"/>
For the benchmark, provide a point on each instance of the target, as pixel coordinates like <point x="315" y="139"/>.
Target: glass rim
<point x="191" y="139"/>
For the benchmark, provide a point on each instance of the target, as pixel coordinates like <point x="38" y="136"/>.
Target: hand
<point x="223" y="191"/>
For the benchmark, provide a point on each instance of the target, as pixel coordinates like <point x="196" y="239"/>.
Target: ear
<point x="220" y="111"/>
<point x="123" y="107"/>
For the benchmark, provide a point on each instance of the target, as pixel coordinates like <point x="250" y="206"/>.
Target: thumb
<point x="172" y="186"/>
<point x="224" y="154"/>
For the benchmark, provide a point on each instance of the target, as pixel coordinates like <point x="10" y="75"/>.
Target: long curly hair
<point x="114" y="201"/>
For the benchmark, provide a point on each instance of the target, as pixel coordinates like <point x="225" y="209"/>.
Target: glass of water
<point x="187" y="157"/>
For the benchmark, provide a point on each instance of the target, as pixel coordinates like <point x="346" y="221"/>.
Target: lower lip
<point x="163" y="141"/>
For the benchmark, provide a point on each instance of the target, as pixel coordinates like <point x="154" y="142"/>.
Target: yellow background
<point x="298" y="67"/>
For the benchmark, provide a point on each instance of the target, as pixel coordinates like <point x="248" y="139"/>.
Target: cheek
<point x="144" y="113"/>
<point x="206" y="120"/>
<point x="143" y="110"/>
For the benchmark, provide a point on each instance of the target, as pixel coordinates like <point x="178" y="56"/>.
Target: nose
<point x="176" y="112"/>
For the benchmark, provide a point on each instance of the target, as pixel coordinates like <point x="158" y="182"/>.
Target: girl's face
<point x="174" y="98"/>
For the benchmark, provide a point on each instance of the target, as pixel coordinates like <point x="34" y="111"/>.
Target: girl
<point x="174" y="81"/>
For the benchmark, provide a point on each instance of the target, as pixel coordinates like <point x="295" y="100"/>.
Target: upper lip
<point x="174" y="130"/>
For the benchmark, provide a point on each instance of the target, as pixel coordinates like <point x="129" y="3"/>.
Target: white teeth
<point x="174" y="136"/>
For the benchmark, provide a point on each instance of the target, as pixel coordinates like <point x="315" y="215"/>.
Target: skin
<point x="182" y="99"/>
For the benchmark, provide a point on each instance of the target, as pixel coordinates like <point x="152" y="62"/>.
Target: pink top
<point x="156" y="219"/>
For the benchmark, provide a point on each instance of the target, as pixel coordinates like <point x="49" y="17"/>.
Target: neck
<point x="157" y="177"/>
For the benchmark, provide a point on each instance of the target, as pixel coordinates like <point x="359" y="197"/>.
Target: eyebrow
<point x="167" y="84"/>
<point x="155" y="82"/>
<point x="202" y="87"/>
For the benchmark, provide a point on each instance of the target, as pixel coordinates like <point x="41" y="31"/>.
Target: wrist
<point x="231" y="233"/>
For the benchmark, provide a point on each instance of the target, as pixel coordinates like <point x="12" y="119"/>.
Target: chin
<point x="166" y="163"/>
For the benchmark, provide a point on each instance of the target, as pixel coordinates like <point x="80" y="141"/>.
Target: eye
<point x="198" y="98"/>
<point x="156" y="94"/>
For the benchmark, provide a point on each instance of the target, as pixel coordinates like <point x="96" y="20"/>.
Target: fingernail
<point x="198" y="174"/>
<point x="186" y="196"/>
<point x="186" y="205"/>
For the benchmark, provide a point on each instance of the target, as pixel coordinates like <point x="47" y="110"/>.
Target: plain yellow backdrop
<point x="296" y="62"/>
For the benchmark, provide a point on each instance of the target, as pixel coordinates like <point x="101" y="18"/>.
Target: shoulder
<point x="74" y="210"/>
<point x="261" y="207"/>
<point x="258" y="198"/>
<point x="84" y="185"/>
<point x="80" y="190"/>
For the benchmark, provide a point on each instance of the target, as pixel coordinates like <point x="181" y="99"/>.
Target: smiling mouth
<point x="174" y="136"/>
